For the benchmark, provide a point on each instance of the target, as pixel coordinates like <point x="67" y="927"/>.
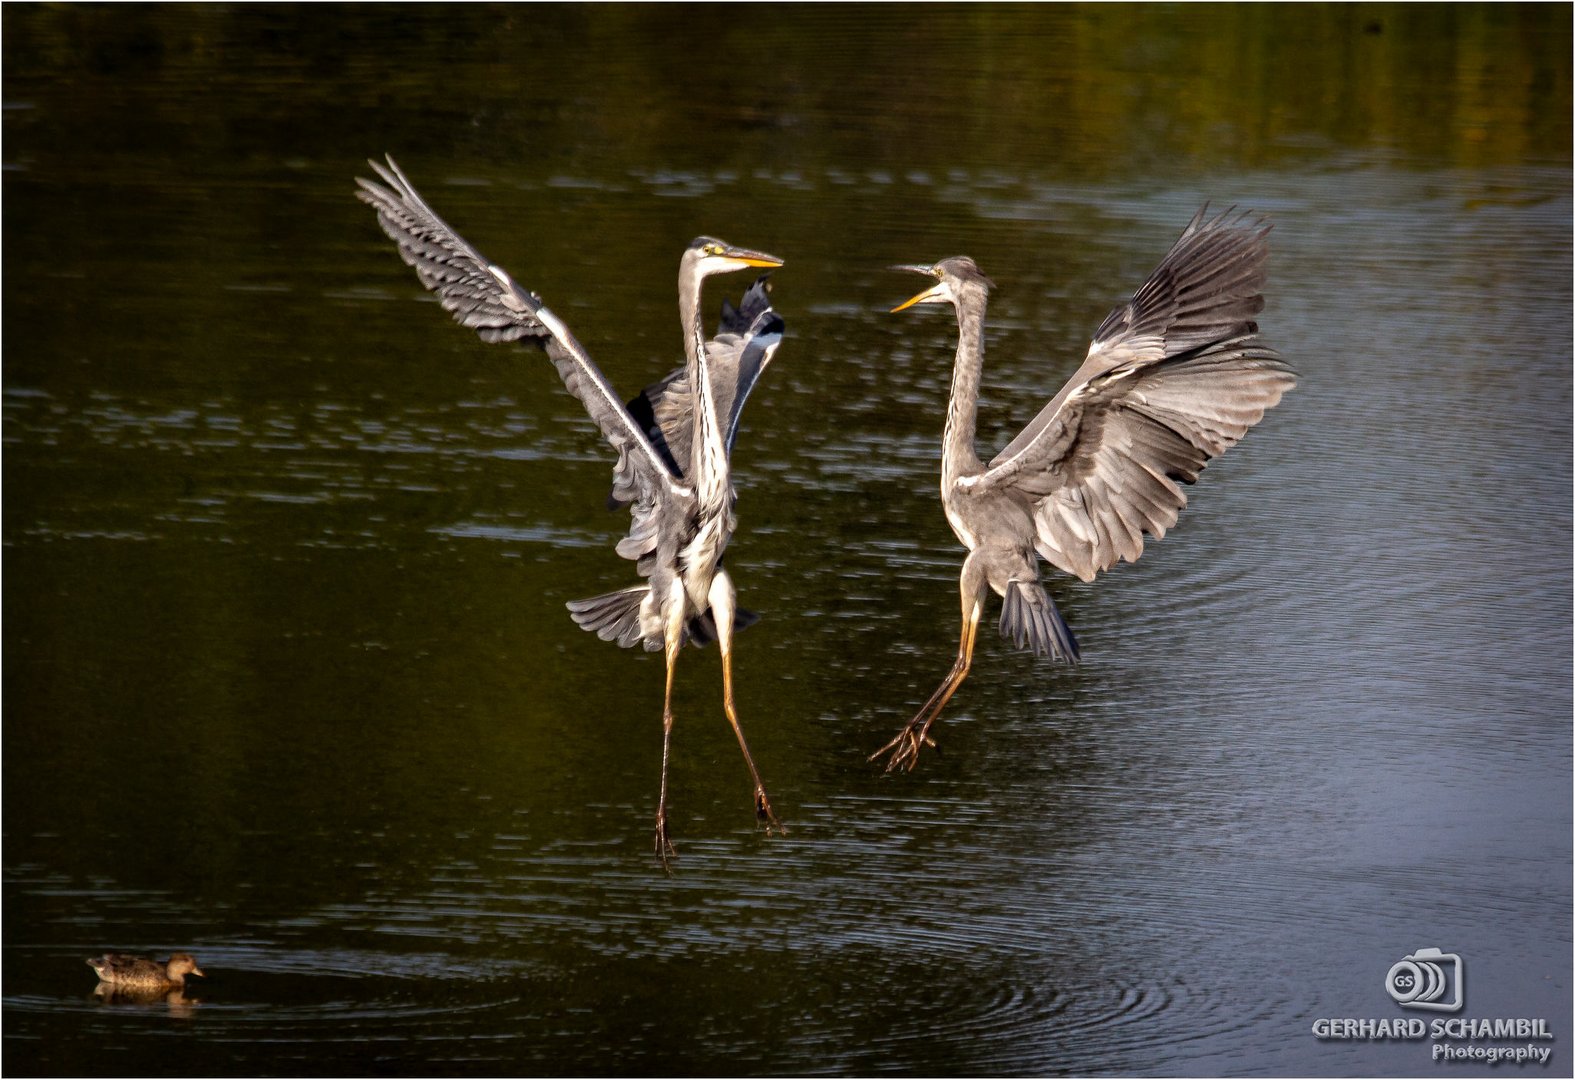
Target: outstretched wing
<point x="746" y="339"/>
<point x="1173" y="378"/>
<point x="481" y="295"/>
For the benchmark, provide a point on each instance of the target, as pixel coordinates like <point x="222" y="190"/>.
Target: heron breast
<point x="959" y="525"/>
<point x="700" y="558"/>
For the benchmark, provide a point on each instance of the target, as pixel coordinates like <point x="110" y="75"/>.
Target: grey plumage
<point x="615" y="617"/>
<point x="1030" y="620"/>
<point x="482" y="296"/>
<point x="746" y="338"/>
<point x="672" y="470"/>
<point x="1174" y="377"/>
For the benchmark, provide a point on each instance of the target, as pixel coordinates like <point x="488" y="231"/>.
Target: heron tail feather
<point x="701" y="630"/>
<point x="614" y="616"/>
<point x="1029" y="618"/>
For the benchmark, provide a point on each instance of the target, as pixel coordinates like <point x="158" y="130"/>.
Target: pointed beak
<point x="936" y="295"/>
<point x="931" y="294"/>
<point x="752" y="258"/>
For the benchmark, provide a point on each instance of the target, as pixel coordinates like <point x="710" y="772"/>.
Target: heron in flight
<point x="1174" y="377"/>
<point x="673" y="440"/>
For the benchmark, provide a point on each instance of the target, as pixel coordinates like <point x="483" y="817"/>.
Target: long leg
<point x="673" y="640"/>
<point x="904" y="749"/>
<point x="722" y="610"/>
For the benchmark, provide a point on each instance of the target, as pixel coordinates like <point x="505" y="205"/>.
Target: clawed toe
<point x="764" y="815"/>
<point x="904" y="749"/>
<point x="664" y="845"/>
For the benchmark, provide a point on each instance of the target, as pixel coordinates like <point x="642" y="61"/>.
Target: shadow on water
<point x="288" y="679"/>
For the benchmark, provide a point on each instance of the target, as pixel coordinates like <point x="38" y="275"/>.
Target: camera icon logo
<point x="1428" y="979"/>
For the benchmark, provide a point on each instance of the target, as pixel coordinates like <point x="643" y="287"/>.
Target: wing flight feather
<point x="1173" y="378"/>
<point x="482" y="296"/>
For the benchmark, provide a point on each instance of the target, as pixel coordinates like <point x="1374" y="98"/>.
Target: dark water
<point x="288" y="681"/>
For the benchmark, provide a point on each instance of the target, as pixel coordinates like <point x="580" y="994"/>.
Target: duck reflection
<point x="175" y="999"/>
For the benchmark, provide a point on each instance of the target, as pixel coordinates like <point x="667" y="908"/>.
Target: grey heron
<point x="1174" y="377"/>
<point x="673" y="441"/>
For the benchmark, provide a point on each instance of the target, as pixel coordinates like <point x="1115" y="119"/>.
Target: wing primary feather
<point x="481" y="295"/>
<point x="1173" y="378"/>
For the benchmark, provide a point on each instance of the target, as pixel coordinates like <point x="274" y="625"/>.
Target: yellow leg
<point x="904" y="749"/>
<point x="722" y="610"/>
<point x="673" y="634"/>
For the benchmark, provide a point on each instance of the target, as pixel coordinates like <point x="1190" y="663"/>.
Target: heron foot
<point x="664" y="845"/>
<point x="904" y="749"/>
<point x="765" y="816"/>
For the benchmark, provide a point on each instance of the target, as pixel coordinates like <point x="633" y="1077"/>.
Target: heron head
<point x="951" y="276"/>
<point x="707" y="255"/>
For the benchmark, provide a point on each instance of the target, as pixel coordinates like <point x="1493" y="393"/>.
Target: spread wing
<point x="1173" y="378"/>
<point x="746" y="339"/>
<point x="481" y="295"/>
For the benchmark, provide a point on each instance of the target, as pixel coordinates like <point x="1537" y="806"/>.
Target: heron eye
<point x="713" y="249"/>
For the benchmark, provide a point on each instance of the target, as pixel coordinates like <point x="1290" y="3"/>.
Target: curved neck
<point x="958" y="456"/>
<point x="689" y="315"/>
<point x="707" y="468"/>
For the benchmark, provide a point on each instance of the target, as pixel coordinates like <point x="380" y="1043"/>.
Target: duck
<point x="141" y="974"/>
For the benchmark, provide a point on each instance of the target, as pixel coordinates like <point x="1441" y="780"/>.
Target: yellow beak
<point x="928" y="294"/>
<point x="752" y="258"/>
